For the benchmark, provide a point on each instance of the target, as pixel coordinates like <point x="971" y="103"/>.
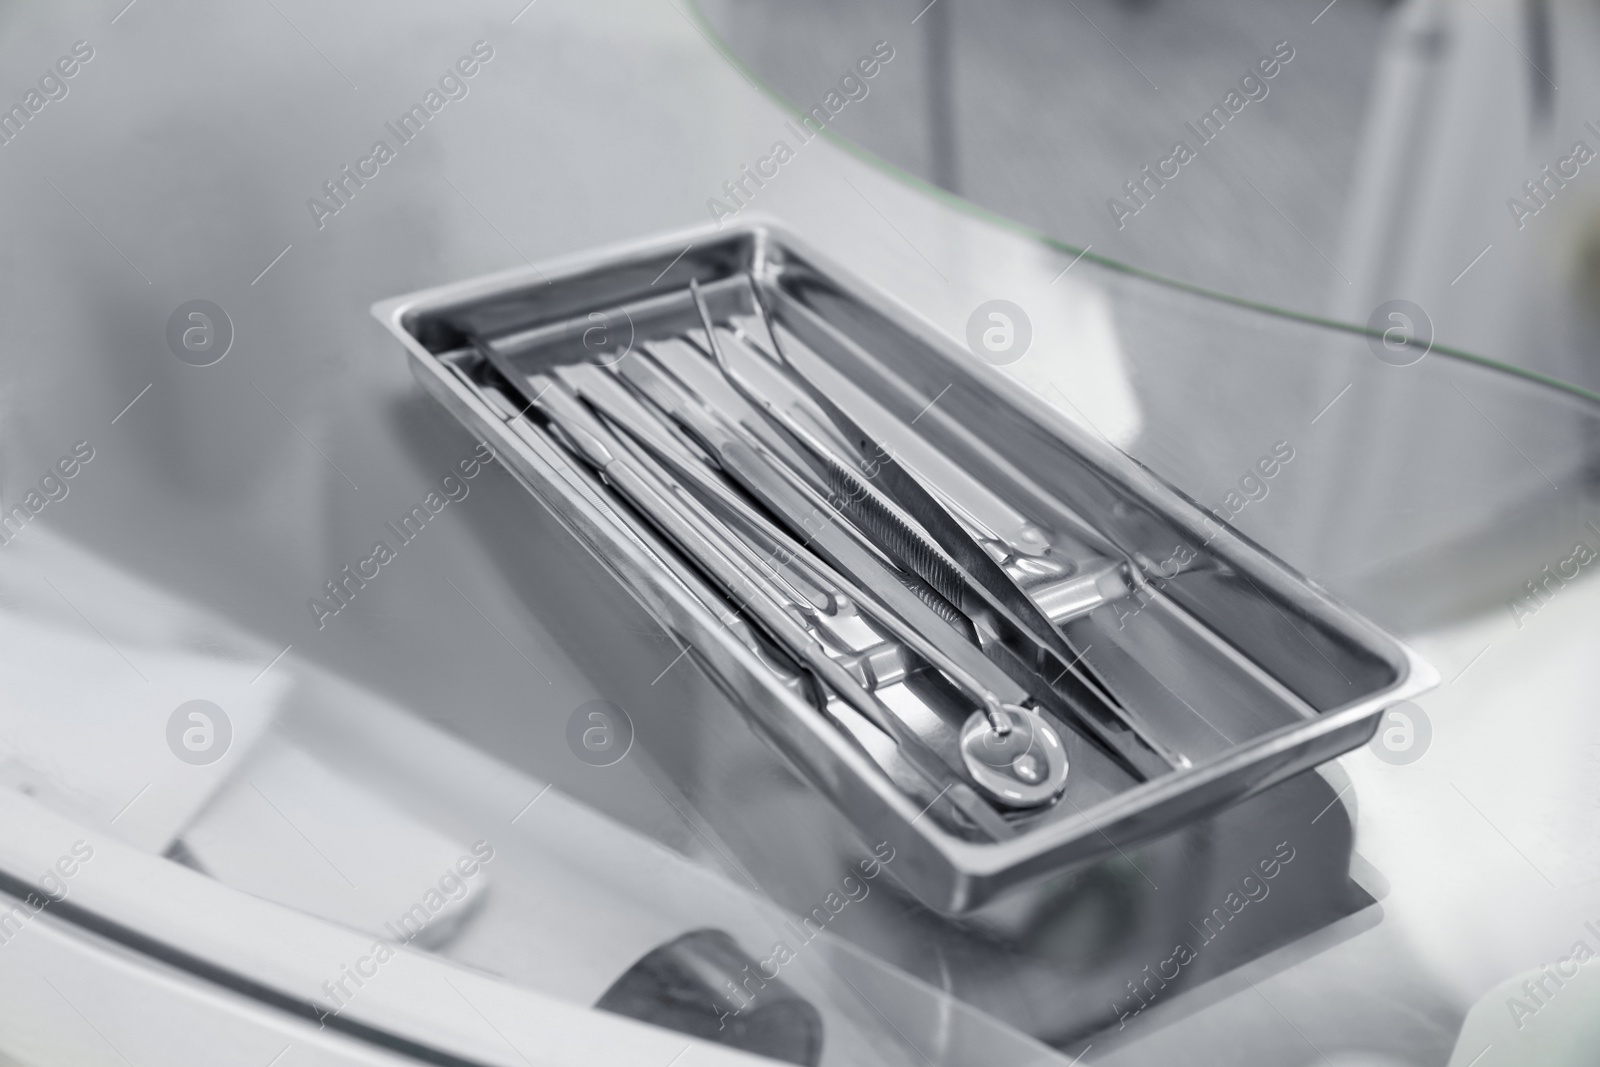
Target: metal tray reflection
<point x="1222" y="672"/>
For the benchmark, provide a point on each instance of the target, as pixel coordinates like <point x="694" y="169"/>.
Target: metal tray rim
<point x="979" y="870"/>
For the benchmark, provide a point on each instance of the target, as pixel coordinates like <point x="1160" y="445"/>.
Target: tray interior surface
<point x="1234" y="662"/>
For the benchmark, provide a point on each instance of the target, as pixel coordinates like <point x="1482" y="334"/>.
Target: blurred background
<point x="1040" y="111"/>
<point x="1376" y="163"/>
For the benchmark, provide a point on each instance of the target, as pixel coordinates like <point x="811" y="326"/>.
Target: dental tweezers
<point x="595" y="385"/>
<point x="880" y="492"/>
<point x="585" y="437"/>
<point x="810" y="516"/>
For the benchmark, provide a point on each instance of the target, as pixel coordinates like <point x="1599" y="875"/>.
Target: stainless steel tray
<point x="1241" y="666"/>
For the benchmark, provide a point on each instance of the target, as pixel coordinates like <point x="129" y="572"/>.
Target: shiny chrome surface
<point x="1253" y="627"/>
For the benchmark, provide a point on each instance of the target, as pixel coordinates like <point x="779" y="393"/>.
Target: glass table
<point x="230" y="873"/>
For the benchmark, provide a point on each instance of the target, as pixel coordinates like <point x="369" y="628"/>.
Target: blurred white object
<point x="75" y="734"/>
<point x="89" y="687"/>
<point x="289" y="829"/>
